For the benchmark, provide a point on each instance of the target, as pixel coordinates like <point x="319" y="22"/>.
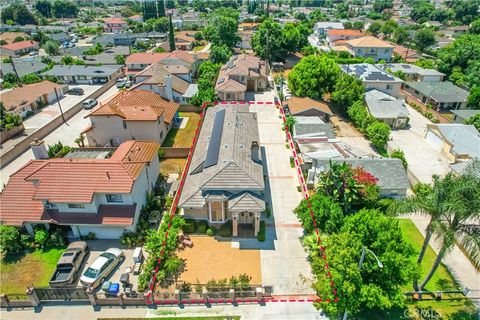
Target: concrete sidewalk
<point x="458" y="264"/>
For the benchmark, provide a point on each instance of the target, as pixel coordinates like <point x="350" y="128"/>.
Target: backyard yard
<point x="18" y="271"/>
<point x="172" y="165"/>
<point x="182" y="137"/>
<point x="212" y="259"/>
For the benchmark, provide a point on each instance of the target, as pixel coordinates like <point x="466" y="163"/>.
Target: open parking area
<point x="423" y="160"/>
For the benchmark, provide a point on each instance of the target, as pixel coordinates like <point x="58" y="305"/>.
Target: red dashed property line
<point x="173" y="208"/>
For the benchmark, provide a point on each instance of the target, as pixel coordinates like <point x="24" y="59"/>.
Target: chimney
<point x="255" y="151"/>
<point x="39" y="150"/>
<point x="169" y="87"/>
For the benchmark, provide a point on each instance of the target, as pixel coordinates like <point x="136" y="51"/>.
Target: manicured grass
<point x="179" y="318"/>
<point x="182" y="138"/>
<point x="172" y="165"/>
<point x="18" y="271"/>
<point x="198" y="48"/>
<point x="442" y="279"/>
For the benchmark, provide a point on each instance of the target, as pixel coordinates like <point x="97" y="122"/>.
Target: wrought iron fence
<point x="72" y="293"/>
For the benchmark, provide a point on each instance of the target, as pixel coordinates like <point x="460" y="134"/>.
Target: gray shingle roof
<point x="235" y="170"/>
<point x="368" y="73"/>
<point x="464" y="138"/>
<point x="246" y="201"/>
<point x="24" y="67"/>
<point x="465" y="114"/>
<point x="440" y="91"/>
<point x="312" y="126"/>
<point x="387" y="109"/>
<point x="75" y="70"/>
<point x="389" y="172"/>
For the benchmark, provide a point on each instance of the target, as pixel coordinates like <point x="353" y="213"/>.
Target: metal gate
<point x="64" y="294"/>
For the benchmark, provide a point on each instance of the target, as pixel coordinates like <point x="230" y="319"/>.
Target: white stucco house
<point x="99" y="190"/>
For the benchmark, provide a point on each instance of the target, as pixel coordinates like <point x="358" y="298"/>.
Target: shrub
<point x="89" y="236"/>
<point x="261" y="232"/>
<point x="184" y="287"/>
<point x="210" y="232"/>
<point x="202" y="227"/>
<point x="226" y="229"/>
<point x="10" y="239"/>
<point x="131" y="239"/>
<point x="41" y="236"/>
<point x="56" y="239"/>
<point x="189" y="226"/>
<point x="268" y="212"/>
<point x="399" y="154"/>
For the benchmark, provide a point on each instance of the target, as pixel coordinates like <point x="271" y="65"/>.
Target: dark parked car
<point x="69" y="265"/>
<point x="76" y="91"/>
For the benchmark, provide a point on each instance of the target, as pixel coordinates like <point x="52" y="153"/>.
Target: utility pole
<point x="267" y="48"/>
<point x="60" y="106"/>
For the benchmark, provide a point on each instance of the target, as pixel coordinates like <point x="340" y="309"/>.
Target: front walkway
<point x="284" y="261"/>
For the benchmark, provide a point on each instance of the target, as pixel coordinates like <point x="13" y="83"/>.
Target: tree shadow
<point x="10" y="258"/>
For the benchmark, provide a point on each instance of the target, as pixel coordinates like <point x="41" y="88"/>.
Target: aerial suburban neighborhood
<point x="240" y="159"/>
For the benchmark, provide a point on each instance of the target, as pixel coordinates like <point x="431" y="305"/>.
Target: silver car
<point x="102" y="267"/>
<point x="89" y="103"/>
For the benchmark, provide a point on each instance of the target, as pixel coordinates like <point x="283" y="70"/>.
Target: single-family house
<point x="240" y="74"/>
<point x="184" y="40"/>
<point x="136" y="62"/>
<point x="459" y="116"/>
<point x="10" y="36"/>
<point x="456" y="31"/>
<point x="405" y="53"/>
<point x="413" y="72"/>
<point x="456" y="141"/>
<point x="392" y="178"/>
<point x="136" y="18"/>
<point x="440" y="95"/>
<point x="17" y="49"/>
<point x="59" y="37"/>
<point x="298" y="106"/>
<point x="337" y="37"/>
<point x="245" y="39"/>
<point x="308" y="128"/>
<point x="375" y="78"/>
<point x="29" y="97"/>
<point x="98" y="190"/>
<point x="114" y="24"/>
<point x="23" y="66"/>
<point x="131" y="115"/>
<point x="193" y="19"/>
<point x="248" y="26"/>
<point x="225" y="179"/>
<point x="320" y="29"/>
<point x="107" y="57"/>
<point x="370" y="47"/>
<point x="387" y="109"/>
<point x="83" y="74"/>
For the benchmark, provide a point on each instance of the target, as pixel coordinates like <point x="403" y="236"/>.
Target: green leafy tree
<point x="375" y="28"/>
<point x="222" y="27"/>
<point x="347" y="90"/>
<point x="313" y="76"/>
<point x="378" y="133"/>
<point x="389" y="27"/>
<point x="220" y="53"/>
<point x="421" y="11"/>
<point x="371" y="288"/>
<point x="9" y="239"/>
<point x="327" y="213"/>
<point x="474" y="98"/>
<point x="399" y="154"/>
<point x="380" y="5"/>
<point x="475" y="27"/>
<point x="276" y="50"/>
<point x="161" y="24"/>
<point x="360" y="116"/>
<point x="18" y="14"/>
<point x="44" y="7"/>
<point x="161" y="8"/>
<point x="31" y="78"/>
<point x="171" y="34"/>
<point x="475" y="121"/>
<point x="400" y="35"/>
<point x="424" y="38"/>
<point x="51" y="48"/>
<point x="120" y="59"/>
<point x="64" y="9"/>
<point x="465" y="10"/>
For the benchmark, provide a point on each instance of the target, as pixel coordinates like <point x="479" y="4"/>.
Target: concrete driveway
<point x="97" y="247"/>
<point x="423" y="160"/>
<point x="283" y="259"/>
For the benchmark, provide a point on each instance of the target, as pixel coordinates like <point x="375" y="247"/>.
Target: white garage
<point x="103" y="232"/>
<point x="434" y="140"/>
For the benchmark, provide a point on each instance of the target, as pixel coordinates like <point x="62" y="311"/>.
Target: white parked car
<point x="89" y="103"/>
<point x="102" y="266"/>
<point x="121" y="83"/>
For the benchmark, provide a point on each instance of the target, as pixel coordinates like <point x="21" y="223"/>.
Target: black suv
<point x="76" y="91"/>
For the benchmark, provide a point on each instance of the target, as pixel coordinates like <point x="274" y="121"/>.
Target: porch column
<point x="257" y="223"/>
<point x="223" y="211"/>
<point x="29" y="229"/>
<point x="76" y="231"/>
<point x="235" y="224"/>
<point x="210" y="211"/>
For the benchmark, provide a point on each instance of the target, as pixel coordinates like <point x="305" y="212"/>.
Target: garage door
<point x="434" y="140"/>
<point x="103" y="232"/>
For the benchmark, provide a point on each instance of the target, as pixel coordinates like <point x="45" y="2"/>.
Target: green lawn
<point x="179" y="318"/>
<point x="18" y="271"/>
<point x="198" y="48"/>
<point x="182" y="138"/>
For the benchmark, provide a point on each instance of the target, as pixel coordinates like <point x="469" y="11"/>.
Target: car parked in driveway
<point x="101" y="268"/>
<point x="121" y="83"/>
<point x="76" y="91"/>
<point x="69" y="265"/>
<point x="89" y="103"/>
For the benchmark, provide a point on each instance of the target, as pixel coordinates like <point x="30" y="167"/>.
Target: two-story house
<point x="375" y="78"/>
<point x="17" y="49"/>
<point x="413" y="72"/>
<point x="240" y="74"/>
<point x="337" y="37"/>
<point x="321" y="28"/>
<point x="225" y="178"/>
<point x="370" y="47"/>
<point x="131" y="115"/>
<point x="115" y="24"/>
<point x="99" y="190"/>
<point x="136" y="62"/>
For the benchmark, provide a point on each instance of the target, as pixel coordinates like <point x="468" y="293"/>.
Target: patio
<point x="213" y="259"/>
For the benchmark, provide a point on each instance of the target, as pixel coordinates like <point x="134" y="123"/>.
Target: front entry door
<point x="250" y="85"/>
<point x="243" y="217"/>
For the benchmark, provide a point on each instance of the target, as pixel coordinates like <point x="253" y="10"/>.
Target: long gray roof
<point x="387" y="109"/>
<point x="23" y="67"/>
<point x="464" y="138"/>
<point x="76" y="70"/>
<point x="233" y="170"/>
<point x="390" y="172"/>
<point x="440" y="91"/>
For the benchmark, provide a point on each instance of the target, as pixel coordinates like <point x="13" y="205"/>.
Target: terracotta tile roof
<point x="187" y="36"/>
<point x="157" y="73"/>
<point x="369" y="41"/>
<point x="145" y="57"/>
<point x="182" y="55"/>
<point x="107" y="215"/>
<point x="19" y="45"/>
<point x="339" y="42"/>
<point x="69" y="180"/>
<point x="231" y="86"/>
<point x="27" y="94"/>
<point x="114" y="20"/>
<point x="10" y="36"/>
<point x="137" y="105"/>
<point x="177" y="69"/>
<point x="344" y="32"/>
<point x="298" y="104"/>
<point x="239" y="65"/>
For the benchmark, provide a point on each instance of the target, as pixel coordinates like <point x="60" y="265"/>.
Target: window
<point x="114" y="198"/>
<point x="242" y="79"/>
<point x="389" y="87"/>
<point x="76" y="205"/>
<point x="161" y="135"/>
<point x="124" y="125"/>
<point x="372" y="50"/>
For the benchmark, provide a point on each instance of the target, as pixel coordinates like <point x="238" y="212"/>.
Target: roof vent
<point x="225" y="146"/>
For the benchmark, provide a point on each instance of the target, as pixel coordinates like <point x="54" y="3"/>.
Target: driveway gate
<point x="73" y="293"/>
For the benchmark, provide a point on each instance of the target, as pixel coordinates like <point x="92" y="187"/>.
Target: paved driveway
<point x="423" y="160"/>
<point x="283" y="259"/>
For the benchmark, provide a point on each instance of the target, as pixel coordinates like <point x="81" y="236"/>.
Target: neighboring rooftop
<point x="14" y="46"/>
<point x="311" y="128"/>
<point x="23" y="66"/>
<point x="369" y="42"/>
<point x="27" y="94"/>
<point x="242" y="65"/>
<point x="465" y="139"/>
<point x="145" y="57"/>
<point x="465" y="114"/>
<point x="299" y="104"/>
<point x="409" y="69"/>
<point x="440" y="91"/>
<point x="76" y="70"/>
<point x="390" y="109"/>
<point x="368" y="72"/>
<point x="344" y="32"/>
